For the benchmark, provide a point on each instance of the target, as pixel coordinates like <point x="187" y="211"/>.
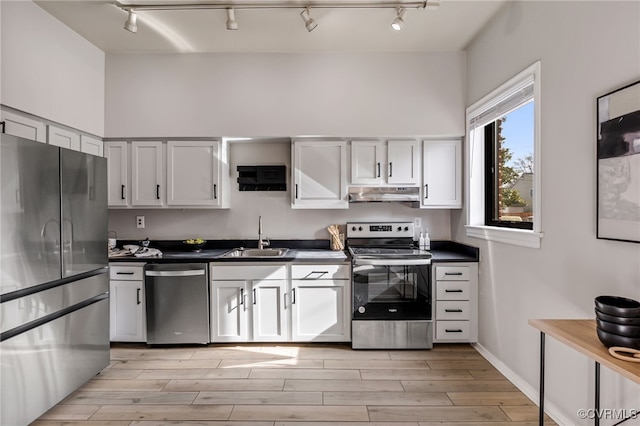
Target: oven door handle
<point x="392" y="262"/>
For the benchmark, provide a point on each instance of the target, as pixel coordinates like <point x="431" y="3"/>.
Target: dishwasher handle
<point x="186" y="273"/>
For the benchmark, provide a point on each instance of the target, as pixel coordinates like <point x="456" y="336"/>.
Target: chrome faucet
<point x="262" y="243"/>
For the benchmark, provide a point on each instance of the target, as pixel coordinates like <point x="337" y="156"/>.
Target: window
<point x="503" y="150"/>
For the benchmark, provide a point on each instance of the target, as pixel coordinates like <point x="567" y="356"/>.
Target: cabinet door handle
<point x="453" y="273"/>
<point x="215" y="191"/>
<point x="453" y="291"/>
<point x="296" y="191"/>
<point x="122" y="192"/>
<point x="124" y="273"/>
<point x="457" y="330"/>
<point x="157" y="192"/>
<point x="378" y="169"/>
<point x="426" y="191"/>
<point x="138" y="296"/>
<point x="390" y="169"/>
<point x="453" y="310"/>
<point x="254" y="296"/>
<point x="2" y="123"/>
<point x="293" y="296"/>
<point x="242" y="296"/>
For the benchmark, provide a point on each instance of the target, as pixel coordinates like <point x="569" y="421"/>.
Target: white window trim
<point x="474" y="156"/>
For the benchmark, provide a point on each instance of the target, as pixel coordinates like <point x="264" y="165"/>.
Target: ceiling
<point x="449" y="27"/>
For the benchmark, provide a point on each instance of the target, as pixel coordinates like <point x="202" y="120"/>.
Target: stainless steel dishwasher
<point x="177" y="296"/>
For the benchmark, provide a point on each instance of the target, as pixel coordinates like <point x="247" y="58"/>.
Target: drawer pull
<point x="453" y="331"/>
<point x="319" y="274"/>
<point x="453" y="310"/>
<point x="124" y="273"/>
<point x="453" y="291"/>
<point x="453" y="273"/>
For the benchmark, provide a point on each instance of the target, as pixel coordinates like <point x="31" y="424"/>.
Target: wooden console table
<point x="581" y="336"/>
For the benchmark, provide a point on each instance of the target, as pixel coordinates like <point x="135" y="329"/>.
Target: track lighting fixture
<point x="398" y="22"/>
<point x="309" y="22"/>
<point x="400" y="6"/>
<point x="130" y="24"/>
<point x="231" y="19"/>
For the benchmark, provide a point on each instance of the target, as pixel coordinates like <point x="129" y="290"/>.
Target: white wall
<point x="49" y="70"/>
<point x="285" y="94"/>
<point x="587" y="49"/>
<point x="271" y="95"/>
<point x="280" y="221"/>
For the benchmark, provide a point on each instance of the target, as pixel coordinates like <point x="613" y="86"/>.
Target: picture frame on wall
<point x="618" y="164"/>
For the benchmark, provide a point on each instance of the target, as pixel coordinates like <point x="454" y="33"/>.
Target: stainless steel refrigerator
<point x="54" y="305"/>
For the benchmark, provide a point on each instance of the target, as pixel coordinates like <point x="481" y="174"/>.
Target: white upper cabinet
<point x="147" y="173"/>
<point x="378" y="163"/>
<point x="403" y="162"/>
<point x="367" y="161"/>
<point x="23" y="127"/>
<point x="91" y="145"/>
<point x="319" y="174"/>
<point x="195" y="174"/>
<point x="442" y="174"/>
<point x="63" y="138"/>
<point x="117" y="154"/>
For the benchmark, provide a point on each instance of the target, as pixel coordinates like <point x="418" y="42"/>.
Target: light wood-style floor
<point x="295" y="385"/>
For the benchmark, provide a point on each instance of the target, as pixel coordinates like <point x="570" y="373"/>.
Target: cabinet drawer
<point x="453" y="330"/>
<point x="320" y="272"/>
<point x="453" y="310"/>
<point x="254" y="272"/>
<point x="452" y="290"/>
<point x="126" y="273"/>
<point x="452" y="273"/>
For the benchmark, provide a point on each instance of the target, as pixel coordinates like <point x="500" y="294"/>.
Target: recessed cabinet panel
<point x="442" y="173"/>
<point x="403" y="162"/>
<point x="320" y="172"/>
<point x="63" y="138"/>
<point x="193" y="174"/>
<point x="319" y="312"/>
<point x="367" y="162"/>
<point x="147" y="173"/>
<point x="90" y="145"/>
<point x="24" y="127"/>
<point x="229" y="311"/>
<point x="268" y="311"/>
<point x="117" y="154"/>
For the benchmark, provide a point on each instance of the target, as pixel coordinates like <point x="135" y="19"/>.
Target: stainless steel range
<point x="391" y="287"/>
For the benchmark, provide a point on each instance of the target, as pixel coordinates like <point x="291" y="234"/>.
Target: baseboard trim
<point x="532" y="393"/>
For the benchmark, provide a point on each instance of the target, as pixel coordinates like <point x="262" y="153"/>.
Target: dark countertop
<point x="299" y="251"/>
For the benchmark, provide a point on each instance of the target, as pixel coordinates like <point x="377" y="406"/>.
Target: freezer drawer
<point x="42" y="366"/>
<point x="177" y="301"/>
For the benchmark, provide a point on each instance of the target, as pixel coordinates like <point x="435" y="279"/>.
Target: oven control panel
<point x="380" y="230"/>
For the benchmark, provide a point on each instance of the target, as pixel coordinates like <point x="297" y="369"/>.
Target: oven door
<point x="392" y="289"/>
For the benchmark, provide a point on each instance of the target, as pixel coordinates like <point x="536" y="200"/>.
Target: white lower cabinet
<point x="260" y="303"/>
<point x="320" y="296"/>
<point x="127" y="304"/>
<point x="248" y="303"/>
<point x="456" y="302"/>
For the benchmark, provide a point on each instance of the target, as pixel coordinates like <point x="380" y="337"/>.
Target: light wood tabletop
<point x="580" y="334"/>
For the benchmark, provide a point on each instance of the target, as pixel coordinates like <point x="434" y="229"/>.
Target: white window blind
<point x="502" y="104"/>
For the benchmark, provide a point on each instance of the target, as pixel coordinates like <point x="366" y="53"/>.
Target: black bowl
<point x="618" y="306"/>
<point x="617" y="320"/>
<point x="619" y="329"/>
<point x="611" y="339"/>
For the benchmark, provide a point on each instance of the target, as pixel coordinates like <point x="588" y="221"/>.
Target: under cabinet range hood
<point x="386" y="194"/>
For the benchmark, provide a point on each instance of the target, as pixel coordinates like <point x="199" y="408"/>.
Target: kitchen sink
<point x="272" y="252"/>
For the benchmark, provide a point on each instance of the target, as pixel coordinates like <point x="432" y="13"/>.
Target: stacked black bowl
<point x="618" y="321"/>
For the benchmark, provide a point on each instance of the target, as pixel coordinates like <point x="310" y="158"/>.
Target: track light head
<point x="232" y="24"/>
<point x="130" y="24"/>
<point x="309" y="22"/>
<point x="398" y="22"/>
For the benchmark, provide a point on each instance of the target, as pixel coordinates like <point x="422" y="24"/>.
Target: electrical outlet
<point x="139" y="221"/>
<point x="417" y="222"/>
